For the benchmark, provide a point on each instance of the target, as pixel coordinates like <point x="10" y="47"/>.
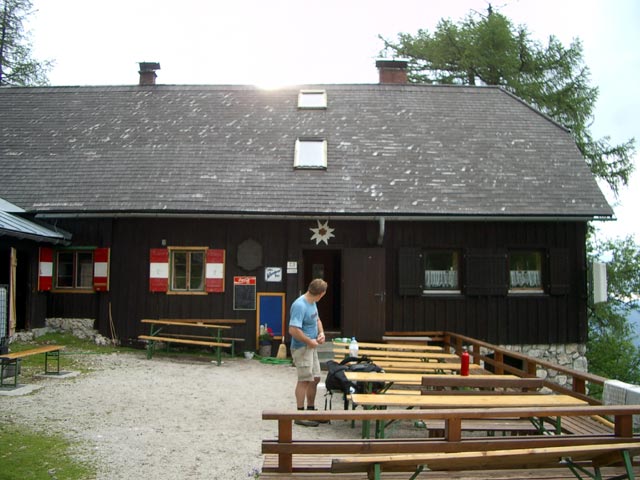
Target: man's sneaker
<point x="306" y="423"/>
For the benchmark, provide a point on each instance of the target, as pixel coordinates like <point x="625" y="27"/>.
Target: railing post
<point x="476" y="354"/>
<point x="453" y="429"/>
<point x="285" y="435"/>
<point x="499" y="359"/>
<point x="623" y="425"/>
<point x="579" y="385"/>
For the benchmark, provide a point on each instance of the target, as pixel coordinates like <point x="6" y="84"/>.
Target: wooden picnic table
<point x="398" y="355"/>
<point x="406" y="378"/>
<point x="393" y="346"/>
<point x="212" y="321"/>
<point x="158" y="326"/>
<point x="400" y="366"/>
<point x="450" y="402"/>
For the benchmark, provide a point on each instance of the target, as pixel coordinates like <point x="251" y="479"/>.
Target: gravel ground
<point x="166" y="418"/>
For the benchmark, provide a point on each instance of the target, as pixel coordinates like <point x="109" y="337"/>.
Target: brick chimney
<point x="392" y="71"/>
<point x="148" y="73"/>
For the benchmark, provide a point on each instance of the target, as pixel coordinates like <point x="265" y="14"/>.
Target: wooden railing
<point x="495" y="357"/>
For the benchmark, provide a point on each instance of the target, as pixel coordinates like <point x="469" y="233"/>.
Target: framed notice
<point x="244" y="293"/>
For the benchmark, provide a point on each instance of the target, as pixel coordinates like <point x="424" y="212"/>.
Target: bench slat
<point x="182" y="340"/>
<point x="525" y="457"/>
<point x="33" y="351"/>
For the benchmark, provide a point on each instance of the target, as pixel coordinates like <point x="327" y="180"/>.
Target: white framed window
<point x="312" y="99"/>
<point x="310" y="153"/>
<point x="525" y="271"/>
<point x="441" y="272"/>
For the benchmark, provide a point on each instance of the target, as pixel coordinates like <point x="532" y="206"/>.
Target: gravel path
<point x="165" y="418"/>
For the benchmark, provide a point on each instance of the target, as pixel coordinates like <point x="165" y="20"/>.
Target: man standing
<point x="306" y="332"/>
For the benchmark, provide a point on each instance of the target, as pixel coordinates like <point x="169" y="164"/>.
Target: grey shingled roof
<point x="393" y="150"/>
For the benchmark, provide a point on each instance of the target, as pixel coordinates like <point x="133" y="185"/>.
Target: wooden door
<point x="363" y="293"/>
<point x="325" y="264"/>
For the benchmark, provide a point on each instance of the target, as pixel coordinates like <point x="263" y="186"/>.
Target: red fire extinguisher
<point x="464" y="363"/>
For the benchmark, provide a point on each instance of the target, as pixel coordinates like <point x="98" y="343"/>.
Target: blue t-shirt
<point x="303" y="315"/>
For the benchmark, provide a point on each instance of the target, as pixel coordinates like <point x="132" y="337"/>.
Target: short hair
<point x="317" y="286"/>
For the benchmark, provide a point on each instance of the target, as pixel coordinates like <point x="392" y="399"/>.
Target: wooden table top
<point x="465" y="401"/>
<point x="405" y="378"/>
<point x="392" y="346"/>
<point x="185" y="324"/>
<point x="378" y="353"/>
<point x="423" y="367"/>
<point x="216" y="321"/>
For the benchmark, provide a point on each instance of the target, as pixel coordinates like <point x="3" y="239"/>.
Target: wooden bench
<point x="231" y="340"/>
<point x="573" y="456"/>
<point x="286" y="455"/>
<point x="157" y="335"/>
<point x="11" y="359"/>
<point x="210" y="321"/>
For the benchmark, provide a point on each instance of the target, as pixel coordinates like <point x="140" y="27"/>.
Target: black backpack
<point x="337" y="380"/>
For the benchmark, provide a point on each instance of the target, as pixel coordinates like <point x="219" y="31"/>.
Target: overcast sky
<point x="284" y="42"/>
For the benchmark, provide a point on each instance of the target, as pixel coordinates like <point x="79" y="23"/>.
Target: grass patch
<point x="26" y="455"/>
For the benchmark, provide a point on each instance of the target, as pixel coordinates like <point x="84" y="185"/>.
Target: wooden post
<point x="453" y="429"/>
<point x="285" y="435"/>
<point x="623" y="425"/>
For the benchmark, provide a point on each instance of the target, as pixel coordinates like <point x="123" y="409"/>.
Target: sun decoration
<point x="322" y="233"/>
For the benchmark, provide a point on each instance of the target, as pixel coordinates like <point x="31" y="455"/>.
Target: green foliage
<point x="17" y="67"/>
<point x="26" y="455"/>
<point x="610" y="351"/>
<point x="490" y="50"/>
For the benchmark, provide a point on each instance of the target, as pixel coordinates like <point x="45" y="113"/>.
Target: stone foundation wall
<point x="570" y="355"/>
<point x="78" y="327"/>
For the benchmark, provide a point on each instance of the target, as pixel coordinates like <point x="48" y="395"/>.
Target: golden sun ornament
<point x="322" y="233"/>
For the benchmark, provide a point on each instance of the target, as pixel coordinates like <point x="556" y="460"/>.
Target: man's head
<point x="317" y="287"/>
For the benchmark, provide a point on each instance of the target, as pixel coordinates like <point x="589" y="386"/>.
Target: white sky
<point x="276" y="42"/>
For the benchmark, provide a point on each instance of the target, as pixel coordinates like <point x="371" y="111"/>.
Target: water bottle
<point x="353" y="347"/>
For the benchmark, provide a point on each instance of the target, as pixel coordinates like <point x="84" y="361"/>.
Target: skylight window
<point x="312" y="99"/>
<point x="310" y="153"/>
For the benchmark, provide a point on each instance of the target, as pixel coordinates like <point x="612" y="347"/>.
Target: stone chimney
<point x="148" y="73"/>
<point x="392" y="71"/>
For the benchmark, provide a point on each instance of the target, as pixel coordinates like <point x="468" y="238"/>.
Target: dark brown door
<point x="363" y="293"/>
<point x="325" y="264"/>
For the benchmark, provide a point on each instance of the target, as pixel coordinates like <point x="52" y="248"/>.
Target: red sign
<point x="244" y="280"/>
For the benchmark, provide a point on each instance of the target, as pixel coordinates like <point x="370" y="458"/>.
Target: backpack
<point x="337" y="380"/>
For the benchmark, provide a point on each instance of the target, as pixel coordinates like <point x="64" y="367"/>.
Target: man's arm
<point x="297" y="333"/>
<point x="320" y="338"/>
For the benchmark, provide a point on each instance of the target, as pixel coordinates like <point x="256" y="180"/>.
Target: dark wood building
<point x="424" y="207"/>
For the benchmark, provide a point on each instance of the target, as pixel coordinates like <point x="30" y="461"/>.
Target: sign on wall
<point x="244" y="293"/>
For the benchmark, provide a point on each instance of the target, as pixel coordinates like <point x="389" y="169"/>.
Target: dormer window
<point x="312" y="99"/>
<point x="310" y="153"/>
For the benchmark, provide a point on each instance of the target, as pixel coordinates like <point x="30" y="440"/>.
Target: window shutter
<point x="486" y="273"/>
<point x="559" y="271"/>
<point x="101" y="269"/>
<point x="159" y="270"/>
<point x="410" y="271"/>
<point x="45" y="269"/>
<point x="215" y="271"/>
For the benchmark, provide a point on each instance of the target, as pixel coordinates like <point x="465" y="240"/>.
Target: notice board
<point x="271" y="311"/>
<point x="244" y="293"/>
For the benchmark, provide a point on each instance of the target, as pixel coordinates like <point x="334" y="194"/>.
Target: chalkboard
<point x="244" y="297"/>
<point x="271" y="311"/>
